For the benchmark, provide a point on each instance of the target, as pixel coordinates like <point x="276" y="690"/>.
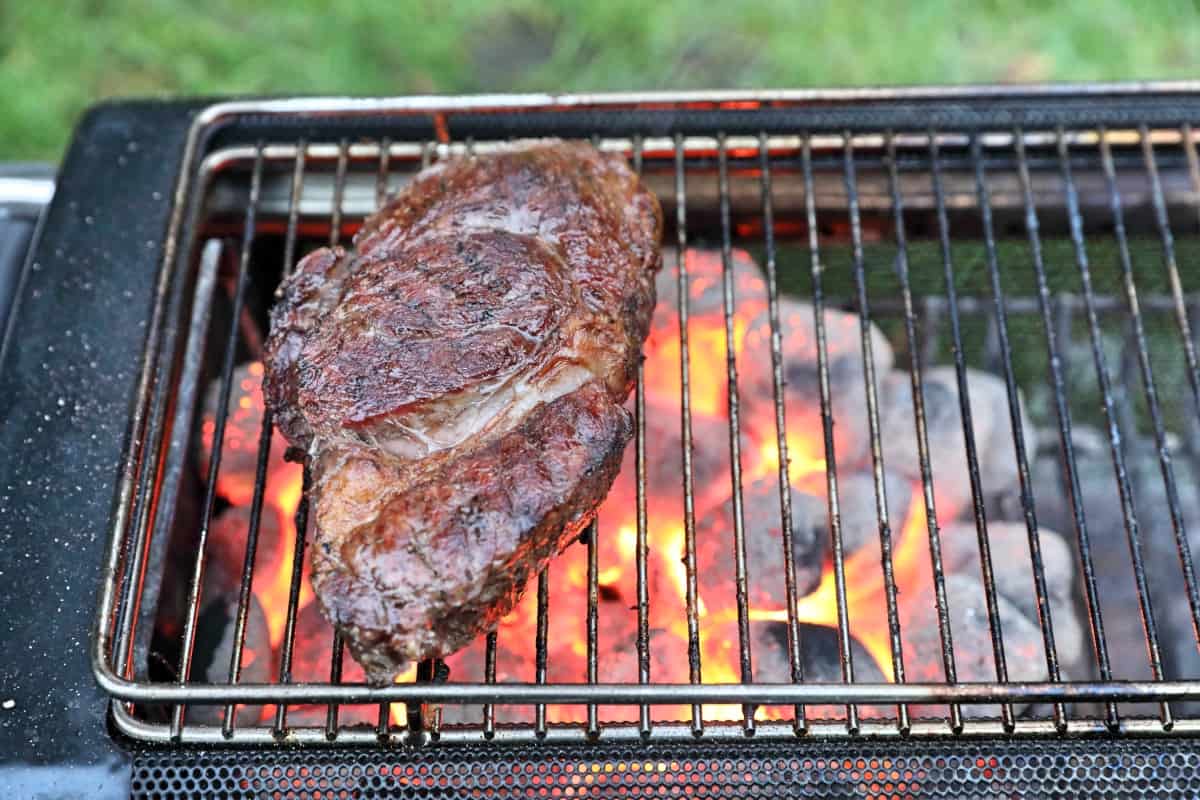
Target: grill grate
<point x="817" y="196"/>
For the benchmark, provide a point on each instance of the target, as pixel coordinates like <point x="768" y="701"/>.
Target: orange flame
<point x="235" y="482"/>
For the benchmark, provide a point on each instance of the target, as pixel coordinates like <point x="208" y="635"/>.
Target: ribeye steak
<point x="456" y="382"/>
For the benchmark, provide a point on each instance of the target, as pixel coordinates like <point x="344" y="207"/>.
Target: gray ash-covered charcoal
<point x="706" y="293"/>
<point x="664" y="462"/>
<point x="219" y="616"/>
<point x="860" y="518"/>
<point x="1105" y="524"/>
<point x="991" y="426"/>
<point x="801" y="379"/>
<point x="1013" y="571"/>
<point x="974" y="661"/>
<point x="763" y="530"/>
<point x="764" y="535"/>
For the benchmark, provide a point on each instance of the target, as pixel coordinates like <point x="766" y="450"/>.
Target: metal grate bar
<point x="293" y="221"/>
<point x="927" y="475"/>
<point x="335" y="232"/>
<point x="382" y="174"/>
<point x="289" y="628"/>
<point x="543" y="627"/>
<point x="580" y="693"/>
<point x="593" y="620"/>
<point x="339" y="191"/>
<point x="129" y="576"/>
<point x="489" y="676"/>
<point x="716" y="732"/>
<point x="1168" y="244"/>
<point x="1148" y="382"/>
<point x="835" y="518"/>
<point x="1128" y="510"/>
<point x="1058" y="367"/>
<point x="735" y="449"/>
<point x="129" y="581"/>
<point x="995" y="630"/>
<point x="1018" y="432"/>
<point x="685" y="410"/>
<point x="870" y="382"/>
<point x="126" y="561"/>
<point x="383" y="722"/>
<point x="192" y="613"/>
<point x="795" y="654"/>
<point x="1189" y="149"/>
<point x="336" y="656"/>
<point x="915" y="350"/>
<point x="289" y="262"/>
<point x="977" y="503"/>
<point x="414" y="712"/>
<point x="243" y="608"/>
<point x="642" y="552"/>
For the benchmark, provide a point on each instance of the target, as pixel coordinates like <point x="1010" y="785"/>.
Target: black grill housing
<point x="955" y="110"/>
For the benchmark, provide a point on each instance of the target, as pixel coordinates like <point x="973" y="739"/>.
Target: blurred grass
<point x="59" y="56"/>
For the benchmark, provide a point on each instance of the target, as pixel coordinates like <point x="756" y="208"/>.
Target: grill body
<point x="837" y="159"/>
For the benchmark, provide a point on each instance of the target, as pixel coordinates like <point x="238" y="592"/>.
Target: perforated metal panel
<point x="974" y="191"/>
<point x="1147" y="768"/>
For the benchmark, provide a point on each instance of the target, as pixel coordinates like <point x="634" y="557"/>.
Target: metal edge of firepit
<point x="69" y="362"/>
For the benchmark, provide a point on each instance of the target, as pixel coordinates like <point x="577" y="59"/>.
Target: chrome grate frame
<point x="957" y="164"/>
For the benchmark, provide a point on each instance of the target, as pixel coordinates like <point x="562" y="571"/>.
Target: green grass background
<point x="59" y="56"/>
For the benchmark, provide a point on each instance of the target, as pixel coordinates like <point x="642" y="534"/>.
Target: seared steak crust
<point x="449" y="555"/>
<point x="456" y="381"/>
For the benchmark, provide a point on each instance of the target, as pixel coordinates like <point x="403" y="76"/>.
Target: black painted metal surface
<point x="67" y="374"/>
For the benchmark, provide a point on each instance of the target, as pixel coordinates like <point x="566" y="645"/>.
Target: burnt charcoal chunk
<point x="802" y="395"/>
<point x="457" y="382"/>
<point x="763" y="532"/>
<point x="860" y="515"/>
<point x="1023" y="648"/>
<point x="819" y="649"/>
<point x="764" y="536"/>
<point x="991" y="428"/>
<point x="706" y="295"/>
<point x="1013" y="570"/>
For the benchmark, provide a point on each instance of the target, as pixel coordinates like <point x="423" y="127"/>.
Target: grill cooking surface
<point x="1048" y="263"/>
